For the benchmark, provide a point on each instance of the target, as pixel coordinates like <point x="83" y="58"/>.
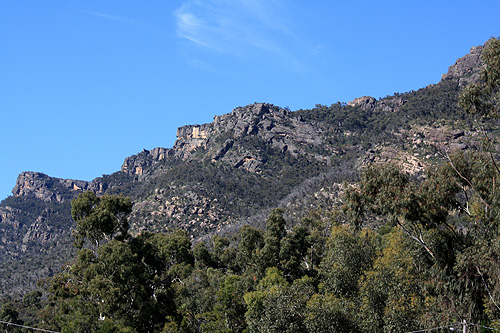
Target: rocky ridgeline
<point x="138" y="165"/>
<point x="391" y="104"/>
<point x="236" y="140"/>
<point x="254" y="143"/>
<point x="222" y="139"/>
<point x="466" y="69"/>
<point x="228" y="139"/>
<point x="40" y="224"/>
<point x="48" y="188"/>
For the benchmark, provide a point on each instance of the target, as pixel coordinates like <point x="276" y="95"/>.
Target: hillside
<point x="231" y="172"/>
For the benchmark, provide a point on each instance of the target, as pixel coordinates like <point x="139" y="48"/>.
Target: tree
<point x="100" y="218"/>
<point x="284" y="307"/>
<point x="124" y="284"/>
<point x="223" y="254"/>
<point x="446" y="269"/>
<point x="478" y="173"/>
<point x="328" y="313"/>
<point x="251" y="242"/>
<point x="391" y="298"/>
<point x="255" y="301"/>
<point x="277" y="306"/>
<point x="275" y="231"/>
<point x="203" y="257"/>
<point x="294" y="251"/>
<point x="9" y="314"/>
<point x="460" y="258"/>
<point x="229" y="308"/>
<point x="346" y="258"/>
<point x="413" y="205"/>
<point x="195" y="298"/>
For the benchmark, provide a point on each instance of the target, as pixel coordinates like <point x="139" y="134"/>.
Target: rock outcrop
<point x="222" y="140"/>
<point x="48" y="188"/>
<point x="44" y="187"/>
<point x="136" y="165"/>
<point x="368" y="103"/>
<point x="364" y="102"/>
<point x="466" y="69"/>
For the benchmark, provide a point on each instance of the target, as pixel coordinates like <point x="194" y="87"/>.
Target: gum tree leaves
<point x="100" y="218"/>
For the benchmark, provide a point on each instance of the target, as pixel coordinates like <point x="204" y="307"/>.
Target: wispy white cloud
<point x="240" y="27"/>
<point x="109" y="17"/>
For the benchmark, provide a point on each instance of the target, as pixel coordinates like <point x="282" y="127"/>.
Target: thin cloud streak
<point x="241" y="27"/>
<point x="109" y="17"/>
<point x="191" y="28"/>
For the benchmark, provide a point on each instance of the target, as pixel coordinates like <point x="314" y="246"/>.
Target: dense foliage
<point x="321" y="276"/>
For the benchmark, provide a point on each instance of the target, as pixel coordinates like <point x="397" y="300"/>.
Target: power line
<point x="31" y="328"/>
<point x="451" y="326"/>
<point x="489" y="328"/>
<point x="436" y="328"/>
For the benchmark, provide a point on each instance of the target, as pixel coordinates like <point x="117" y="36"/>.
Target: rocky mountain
<point x="220" y="175"/>
<point x="466" y="69"/>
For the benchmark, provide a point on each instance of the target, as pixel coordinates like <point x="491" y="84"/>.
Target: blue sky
<point x="84" y="84"/>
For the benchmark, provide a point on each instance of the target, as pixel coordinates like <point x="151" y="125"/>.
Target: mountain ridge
<point x="231" y="171"/>
<point x="466" y="69"/>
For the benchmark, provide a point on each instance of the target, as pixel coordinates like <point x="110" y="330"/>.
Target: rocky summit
<point x="232" y="171"/>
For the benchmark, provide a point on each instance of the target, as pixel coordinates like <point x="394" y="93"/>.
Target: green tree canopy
<point x="100" y="218"/>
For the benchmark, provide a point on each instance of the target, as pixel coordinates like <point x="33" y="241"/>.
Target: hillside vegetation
<point x="387" y="220"/>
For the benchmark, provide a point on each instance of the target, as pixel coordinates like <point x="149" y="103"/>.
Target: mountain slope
<point x="232" y="171"/>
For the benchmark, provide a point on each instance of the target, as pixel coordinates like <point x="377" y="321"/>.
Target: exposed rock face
<point x="8" y="216"/>
<point x="48" y="188"/>
<point x="365" y="102"/>
<point x="40" y="232"/>
<point x="404" y="160"/>
<point x="441" y="138"/>
<point x="136" y="165"/>
<point x="369" y="103"/>
<point x="222" y="139"/>
<point x="467" y="68"/>
<point x="172" y="210"/>
<point x="44" y="187"/>
<point x="243" y="139"/>
<point x="270" y="123"/>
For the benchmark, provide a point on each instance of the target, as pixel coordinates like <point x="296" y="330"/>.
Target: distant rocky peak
<point x="389" y="104"/>
<point x="365" y="102"/>
<point x="259" y="109"/>
<point x="136" y="165"/>
<point x="44" y="187"/>
<point x="49" y="188"/>
<point x="222" y="140"/>
<point x="250" y="113"/>
<point x="240" y="117"/>
<point x="467" y="68"/>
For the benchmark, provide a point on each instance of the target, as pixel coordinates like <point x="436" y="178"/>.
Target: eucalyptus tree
<point x="100" y="218"/>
